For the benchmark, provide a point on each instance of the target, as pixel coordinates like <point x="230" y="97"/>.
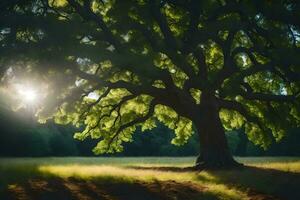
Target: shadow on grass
<point x="284" y="185"/>
<point x="28" y="182"/>
<point x="259" y="183"/>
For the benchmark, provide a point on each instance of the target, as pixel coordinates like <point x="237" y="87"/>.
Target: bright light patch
<point x="93" y="95"/>
<point x="27" y="94"/>
<point x="30" y="95"/>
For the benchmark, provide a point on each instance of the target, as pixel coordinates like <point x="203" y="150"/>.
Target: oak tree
<point x="194" y="65"/>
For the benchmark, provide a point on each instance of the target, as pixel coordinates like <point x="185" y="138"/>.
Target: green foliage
<point x="196" y="94"/>
<point x="257" y="135"/>
<point x="231" y="120"/>
<point x="182" y="126"/>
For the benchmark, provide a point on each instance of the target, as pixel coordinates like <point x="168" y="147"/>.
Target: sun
<point x="27" y="94"/>
<point x="30" y="95"/>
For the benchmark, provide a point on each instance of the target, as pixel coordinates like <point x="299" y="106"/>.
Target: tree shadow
<point x="31" y="183"/>
<point x="255" y="180"/>
<point x="76" y="189"/>
<point x="260" y="183"/>
<point x="45" y="186"/>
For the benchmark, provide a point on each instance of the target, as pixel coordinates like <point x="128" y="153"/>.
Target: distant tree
<point x="288" y="146"/>
<point x="61" y="141"/>
<point x="116" y="65"/>
<point x="156" y="142"/>
<point x="241" y="149"/>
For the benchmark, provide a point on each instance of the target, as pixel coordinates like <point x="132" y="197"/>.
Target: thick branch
<point x="171" y="43"/>
<point x="190" y="35"/>
<point x="86" y="13"/>
<point x="163" y="24"/>
<point x="200" y="57"/>
<point x="268" y="97"/>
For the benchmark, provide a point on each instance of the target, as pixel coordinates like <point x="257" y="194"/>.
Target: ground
<point x="146" y="178"/>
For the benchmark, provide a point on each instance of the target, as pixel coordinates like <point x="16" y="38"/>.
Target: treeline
<point x="19" y="137"/>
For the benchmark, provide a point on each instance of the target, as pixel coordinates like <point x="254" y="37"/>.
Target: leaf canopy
<point x="114" y="65"/>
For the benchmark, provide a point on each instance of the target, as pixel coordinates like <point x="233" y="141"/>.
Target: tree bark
<point x="214" y="150"/>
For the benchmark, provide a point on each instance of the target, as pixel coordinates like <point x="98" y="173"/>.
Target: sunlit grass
<point x="285" y="166"/>
<point x="224" y="184"/>
<point x="112" y="173"/>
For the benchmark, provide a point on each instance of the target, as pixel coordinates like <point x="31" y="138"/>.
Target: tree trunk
<point x="214" y="151"/>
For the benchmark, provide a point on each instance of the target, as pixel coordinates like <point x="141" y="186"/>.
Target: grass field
<point x="146" y="178"/>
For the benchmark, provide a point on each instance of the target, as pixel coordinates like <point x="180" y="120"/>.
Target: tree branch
<point x="232" y="105"/>
<point x="89" y="107"/>
<point x="268" y="97"/>
<point x="189" y="36"/>
<point x="86" y="13"/>
<point x="163" y="24"/>
<point x="133" y="122"/>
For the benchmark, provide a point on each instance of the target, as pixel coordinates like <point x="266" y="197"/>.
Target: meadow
<point x="147" y="178"/>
